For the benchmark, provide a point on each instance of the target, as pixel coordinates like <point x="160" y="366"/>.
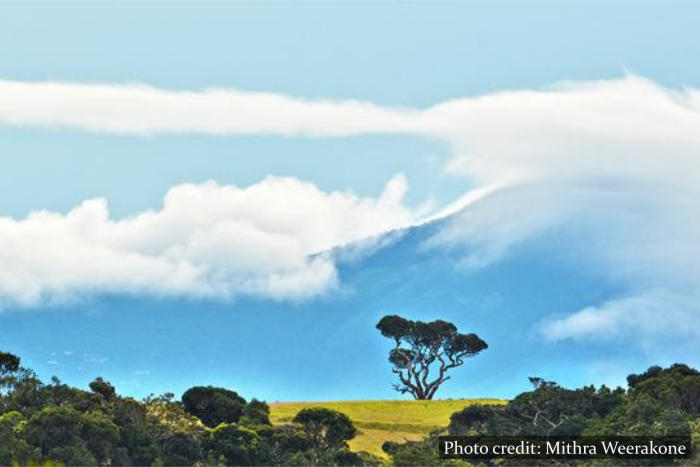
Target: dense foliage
<point x="52" y="423"/>
<point x="57" y="424"/>
<point x="658" y="402"/>
<point x="420" y="347"/>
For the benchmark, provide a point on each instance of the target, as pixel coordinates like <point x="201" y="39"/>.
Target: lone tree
<point x="420" y="346"/>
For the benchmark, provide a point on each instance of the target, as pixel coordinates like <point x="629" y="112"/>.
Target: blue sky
<point x="424" y="67"/>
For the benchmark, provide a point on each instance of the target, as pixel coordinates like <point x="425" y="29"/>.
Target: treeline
<point x="57" y="424"/>
<point x="658" y="402"/>
<point x="53" y="423"/>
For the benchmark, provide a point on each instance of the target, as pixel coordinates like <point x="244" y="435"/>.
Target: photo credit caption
<point x="564" y="447"/>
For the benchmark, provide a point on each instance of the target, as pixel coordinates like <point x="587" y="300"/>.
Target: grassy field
<point x="380" y="421"/>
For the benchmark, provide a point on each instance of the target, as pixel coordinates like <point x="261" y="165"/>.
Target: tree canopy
<point x="420" y="346"/>
<point x="55" y="424"/>
<point x="658" y="402"/>
<point x="328" y="431"/>
<point x="213" y="405"/>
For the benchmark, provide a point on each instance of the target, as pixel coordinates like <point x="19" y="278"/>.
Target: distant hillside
<point x="380" y="421"/>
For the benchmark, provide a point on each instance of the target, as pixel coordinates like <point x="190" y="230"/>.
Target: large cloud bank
<point x="207" y="240"/>
<point x="610" y="170"/>
<point x="612" y="166"/>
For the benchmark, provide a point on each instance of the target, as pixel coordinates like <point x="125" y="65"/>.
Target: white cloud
<point x="648" y="314"/>
<point x="142" y="109"/>
<point x="630" y="127"/>
<point x="207" y="240"/>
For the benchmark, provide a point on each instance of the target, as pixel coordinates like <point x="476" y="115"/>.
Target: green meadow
<point x="379" y="421"/>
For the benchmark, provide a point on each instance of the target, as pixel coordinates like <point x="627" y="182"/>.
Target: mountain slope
<point x="328" y="348"/>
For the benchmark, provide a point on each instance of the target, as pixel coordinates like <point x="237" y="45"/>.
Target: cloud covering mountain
<point x="610" y="166"/>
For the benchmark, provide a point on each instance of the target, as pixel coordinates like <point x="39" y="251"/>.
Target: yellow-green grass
<point x="379" y="421"/>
